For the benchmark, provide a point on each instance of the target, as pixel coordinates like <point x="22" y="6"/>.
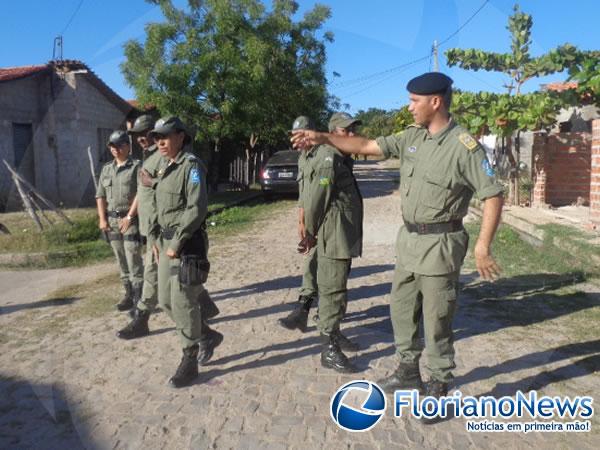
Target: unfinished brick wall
<point x="562" y="168"/>
<point x="595" y="174"/>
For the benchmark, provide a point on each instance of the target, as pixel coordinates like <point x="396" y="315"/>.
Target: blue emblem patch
<point x="412" y="149"/>
<point x="487" y="168"/>
<point x="195" y="176"/>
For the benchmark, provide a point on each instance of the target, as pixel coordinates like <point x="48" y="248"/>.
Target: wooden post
<point x="27" y="202"/>
<point x="34" y="191"/>
<point x="89" y="152"/>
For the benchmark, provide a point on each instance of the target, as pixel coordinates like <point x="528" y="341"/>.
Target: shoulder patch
<point x="324" y="181"/>
<point x="194" y="175"/>
<point x="468" y="141"/>
<point x="191" y="157"/>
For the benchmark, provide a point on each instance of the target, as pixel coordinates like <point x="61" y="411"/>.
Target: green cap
<point x="118" y="137"/>
<point x="143" y="123"/>
<point x="169" y="124"/>
<point x="342" y="120"/>
<point x="303" y="123"/>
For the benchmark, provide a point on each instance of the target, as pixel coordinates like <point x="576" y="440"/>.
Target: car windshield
<point x="284" y="157"/>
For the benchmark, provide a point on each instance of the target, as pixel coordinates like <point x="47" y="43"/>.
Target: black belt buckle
<point x="421" y="228"/>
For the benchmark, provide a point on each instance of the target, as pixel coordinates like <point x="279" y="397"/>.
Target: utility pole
<point x="436" y="67"/>
<point x="57" y="51"/>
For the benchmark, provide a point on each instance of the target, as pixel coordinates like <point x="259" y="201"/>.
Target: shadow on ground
<point x="38" y="416"/>
<point x="38" y="304"/>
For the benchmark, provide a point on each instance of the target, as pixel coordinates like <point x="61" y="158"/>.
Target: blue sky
<point x="371" y="37"/>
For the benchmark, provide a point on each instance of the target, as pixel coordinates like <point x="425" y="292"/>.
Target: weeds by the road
<point x="63" y="245"/>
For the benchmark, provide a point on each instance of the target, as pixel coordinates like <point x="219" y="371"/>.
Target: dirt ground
<point x="70" y="383"/>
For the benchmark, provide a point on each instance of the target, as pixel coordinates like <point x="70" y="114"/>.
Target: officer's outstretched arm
<point x="356" y="145"/>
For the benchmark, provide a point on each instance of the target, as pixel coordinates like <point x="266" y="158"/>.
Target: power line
<point x="393" y="69"/>
<point x="464" y="24"/>
<point x="72" y="17"/>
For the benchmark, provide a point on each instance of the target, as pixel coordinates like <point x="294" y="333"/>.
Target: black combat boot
<point x="138" y="327"/>
<point x="210" y="340"/>
<point x="332" y="356"/>
<point x="127" y="302"/>
<point x="406" y="377"/>
<point x="437" y="389"/>
<point x="345" y="343"/>
<point x="187" y="371"/>
<point x="298" y="318"/>
<point x="136" y="294"/>
<point x="208" y="308"/>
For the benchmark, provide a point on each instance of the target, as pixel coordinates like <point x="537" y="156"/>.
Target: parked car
<point x="279" y="174"/>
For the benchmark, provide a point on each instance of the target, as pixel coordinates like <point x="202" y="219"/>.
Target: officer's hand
<point x="301" y="230"/>
<point x="306" y="244"/>
<point x="155" y="252"/>
<point x="171" y="253"/>
<point x="146" y="178"/>
<point x="103" y="225"/>
<point x="303" y="139"/>
<point x="485" y="263"/>
<point x="124" y="224"/>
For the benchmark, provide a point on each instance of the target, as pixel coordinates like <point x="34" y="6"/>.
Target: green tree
<point x="504" y="114"/>
<point x="234" y="70"/>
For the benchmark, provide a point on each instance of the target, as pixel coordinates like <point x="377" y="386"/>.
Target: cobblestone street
<point x="265" y="387"/>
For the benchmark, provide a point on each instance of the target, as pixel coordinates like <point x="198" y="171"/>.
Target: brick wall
<point x="563" y="168"/>
<point x="595" y="175"/>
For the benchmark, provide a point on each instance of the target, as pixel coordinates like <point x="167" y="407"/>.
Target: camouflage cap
<point x="143" y="123"/>
<point x="342" y="120"/>
<point x="169" y="124"/>
<point x="117" y="137"/>
<point x="303" y="123"/>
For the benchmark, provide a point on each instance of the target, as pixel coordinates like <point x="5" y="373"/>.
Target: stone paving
<point x="264" y="387"/>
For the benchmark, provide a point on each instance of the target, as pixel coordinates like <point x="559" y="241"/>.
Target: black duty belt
<point x="434" y="228"/>
<point x="167" y="233"/>
<point x="116" y="236"/>
<point x="116" y="214"/>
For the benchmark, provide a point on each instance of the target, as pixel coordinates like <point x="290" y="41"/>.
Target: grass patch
<point x="240" y="218"/>
<point x="64" y="245"/>
<point x="518" y="258"/>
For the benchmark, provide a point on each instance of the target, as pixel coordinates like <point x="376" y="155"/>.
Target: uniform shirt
<point x="181" y="197"/>
<point x="439" y="174"/>
<point x="118" y="184"/>
<point x="302" y="161"/>
<point x="332" y="203"/>
<point x="146" y="201"/>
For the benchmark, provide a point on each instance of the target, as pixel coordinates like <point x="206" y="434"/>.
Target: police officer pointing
<point x="441" y="167"/>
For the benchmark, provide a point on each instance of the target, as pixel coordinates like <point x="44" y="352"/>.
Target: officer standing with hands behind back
<point x="333" y="224"/>
<point x="117" y="209"/>
<point x="441" y="167"/>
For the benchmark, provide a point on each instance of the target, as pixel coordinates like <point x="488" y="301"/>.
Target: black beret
<point x="429" y="83"/>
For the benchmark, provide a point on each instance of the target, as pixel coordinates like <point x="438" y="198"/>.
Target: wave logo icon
<point x="370" y="412"/>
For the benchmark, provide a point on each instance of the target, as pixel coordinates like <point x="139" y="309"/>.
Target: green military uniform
<point x="438" y="176"/>
<point x="182" y="203"/>
<point x="309" y="276"/>
<point x="153" y="163"/>
<point x="118" y="185"/>
<point x="333" y="214"/>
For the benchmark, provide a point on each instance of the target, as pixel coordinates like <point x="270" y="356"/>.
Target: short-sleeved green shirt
<point x="439" y="174"/>
<point x="118" y="184"/>
<point x="181" y="197"/>
<point x="146" y="201"/>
